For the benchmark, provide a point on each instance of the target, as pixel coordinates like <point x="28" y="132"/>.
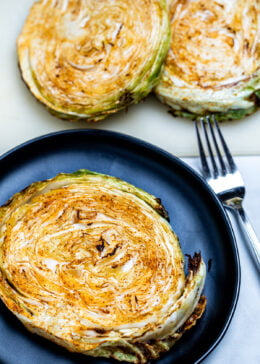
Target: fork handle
<point x="249" y="231"/>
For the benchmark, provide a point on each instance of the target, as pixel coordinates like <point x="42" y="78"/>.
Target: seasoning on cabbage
<point x="91" y="263"/>
<point x="213" y="65"/>
<point x="87" y="59"/>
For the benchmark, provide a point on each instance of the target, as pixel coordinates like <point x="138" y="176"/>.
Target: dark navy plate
<point x="195" y="213"/>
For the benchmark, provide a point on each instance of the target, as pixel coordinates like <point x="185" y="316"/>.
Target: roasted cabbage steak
<point x="213" y="65"/>
<point x="91" y="263"/>
<point x="87" y="59"/>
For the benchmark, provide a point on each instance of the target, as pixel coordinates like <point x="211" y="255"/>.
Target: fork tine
<point x="229" y="157"/>
<point x="203" y="122"/>
<point x="220" y="158"/>
<point x="204" y="163"/>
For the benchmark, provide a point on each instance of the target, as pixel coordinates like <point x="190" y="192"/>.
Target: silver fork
<point x="223" y="176"/>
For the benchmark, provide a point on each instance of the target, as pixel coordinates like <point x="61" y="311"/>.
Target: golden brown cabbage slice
<point x="91" y="263"/>
<point x="213" y="65"/>
<point x="87" y="59"/>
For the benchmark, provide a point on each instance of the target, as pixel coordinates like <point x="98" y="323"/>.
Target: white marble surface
<point x="241" y="343"/>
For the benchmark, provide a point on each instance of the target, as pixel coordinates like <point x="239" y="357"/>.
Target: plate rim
<point x="183" y="165"/>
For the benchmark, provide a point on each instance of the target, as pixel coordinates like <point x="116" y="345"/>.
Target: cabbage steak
<point x="213" y="65"/>
<point x="91" y="263"/>
<point x="87" y="59"/>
